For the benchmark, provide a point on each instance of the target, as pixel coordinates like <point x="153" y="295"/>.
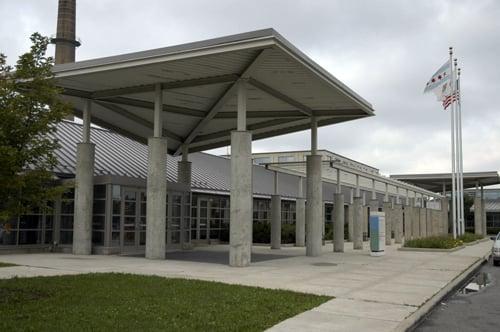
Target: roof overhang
<point x="285" y="88"/>
<point x="435" y="182"/>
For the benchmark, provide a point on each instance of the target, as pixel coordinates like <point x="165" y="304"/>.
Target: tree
<point x="30" y="107"/>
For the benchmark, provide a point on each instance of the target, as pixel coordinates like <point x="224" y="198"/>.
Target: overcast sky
<point x="384" y="50"/>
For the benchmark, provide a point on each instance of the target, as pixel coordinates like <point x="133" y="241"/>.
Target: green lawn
<point x="2" y="264"/>
<point x="111" y="302"/>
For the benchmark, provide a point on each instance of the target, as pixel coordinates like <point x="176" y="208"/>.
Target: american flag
<point x="447" y="100"/>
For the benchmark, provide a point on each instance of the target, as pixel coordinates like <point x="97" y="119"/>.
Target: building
<point x="184" y="99"/>
<point x="196" y="215"/>
<point x="442" y="182"/>
<point x="491" y="208"/>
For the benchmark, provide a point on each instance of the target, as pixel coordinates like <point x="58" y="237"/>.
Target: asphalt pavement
<point x="478" y="311"/>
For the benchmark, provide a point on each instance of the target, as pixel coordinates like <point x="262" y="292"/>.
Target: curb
<point x="416" y="318"/>
<point x="477" y="241"/>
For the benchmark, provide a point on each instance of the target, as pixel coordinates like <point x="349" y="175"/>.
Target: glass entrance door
<point x="201" y="228"/>
<point x="134" y="219"/>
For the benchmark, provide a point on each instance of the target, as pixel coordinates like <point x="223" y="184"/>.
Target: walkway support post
<point x="156" y="185"/>
<point x="350" y="216"/>
<point x="423" y="218"/>
<point x="483" y="213"/>
<point x="184" y="171"/>
<point x="388" y="217"/>
<point x="416" y="220"/>
<point x="314" y="207"/>
<point x="398" y="223"/>
<point x="84" y="188"/>
<point x="275" y="216"/>
<point x="300" y="212"/>
<point x="338" y="210"/>
<point x="357" y="218"/>
<point x="240" y="227"/>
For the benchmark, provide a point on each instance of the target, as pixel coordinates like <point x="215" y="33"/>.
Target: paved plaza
<point x="375" y="293"/>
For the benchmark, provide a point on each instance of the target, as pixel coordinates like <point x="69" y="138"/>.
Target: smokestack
<point x="65" y="40"/>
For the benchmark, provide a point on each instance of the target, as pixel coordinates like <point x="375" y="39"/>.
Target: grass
<point x="2" y="264"/>
<point x="125" y="302"/>
<point x="442" y="242"/>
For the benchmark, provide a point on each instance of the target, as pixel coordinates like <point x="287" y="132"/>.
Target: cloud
<point x="384" y="50"/>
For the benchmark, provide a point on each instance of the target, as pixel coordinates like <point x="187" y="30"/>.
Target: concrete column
<point x="358" y="223"/>
<point x="338" y="229"/>
<point x="484" y="227"/>
<point x="430" y="225"/>
<point x="398" y="223"/>
<point x="423" y="222"/>
<point x="444" y="216"/>
<point x="300" y="222"/>
<point x="374" y="205"/>
<point x="415" y="223"/>
<point x="275" y="222"/>
<point x="184" y="170"/>
<point x="156" y="198"/>
<point x="240" y="232"/>
<point x="478" y="216"/>
<point x="350" y="222"/>
<point x="408" y="217"/>
<point x="314" y="207"/>
<point x="387" y="207"/>
<point x="84" y="188"/>
<point x="84" y="199"/>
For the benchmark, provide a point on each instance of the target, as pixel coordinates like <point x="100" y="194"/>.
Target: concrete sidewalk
<point x="372" y="293"/>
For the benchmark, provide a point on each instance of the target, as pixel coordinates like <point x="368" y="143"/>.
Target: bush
<point x="328" y="231"/>
<point x="261" y="232"/>
<point x="470" y="237"/>
<point x="288" y="233"/>
<point x="434" y="242"/>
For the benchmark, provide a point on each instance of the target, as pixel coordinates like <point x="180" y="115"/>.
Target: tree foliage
<point x="30" y="107"/>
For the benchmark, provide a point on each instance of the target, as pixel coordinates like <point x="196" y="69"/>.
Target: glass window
<point x="100" y="191"/>
<point x="99" y="207"/>
<point x="117" y="193"/>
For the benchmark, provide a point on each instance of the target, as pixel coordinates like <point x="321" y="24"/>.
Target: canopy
<point x="434" y="182"/>
<point x="285" y="88"/>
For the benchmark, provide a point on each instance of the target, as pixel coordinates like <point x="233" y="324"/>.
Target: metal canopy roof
<point x="285" y="88"/>
<point x="434" y="182"/>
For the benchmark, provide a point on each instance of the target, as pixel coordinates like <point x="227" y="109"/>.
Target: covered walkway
<point x="202" y="95"/>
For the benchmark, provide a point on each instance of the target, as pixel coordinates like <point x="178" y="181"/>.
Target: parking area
<point x="475" y="311"/>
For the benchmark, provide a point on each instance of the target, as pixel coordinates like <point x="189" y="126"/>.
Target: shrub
<point x="288" y="233"/>
<point x="470" y="237"/>
<point x="434" y="242"/>
<point x="328" y="231"/>
<point x="261" y="232"/>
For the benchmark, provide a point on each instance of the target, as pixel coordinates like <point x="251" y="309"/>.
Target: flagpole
<point x="460" y="150"/>
<point x="453" y="184"/>
<point x="457" y="147"/>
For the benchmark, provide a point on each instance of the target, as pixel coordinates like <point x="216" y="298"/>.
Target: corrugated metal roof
<point x="118" y="155"/>
<point x="490" y="205"/>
